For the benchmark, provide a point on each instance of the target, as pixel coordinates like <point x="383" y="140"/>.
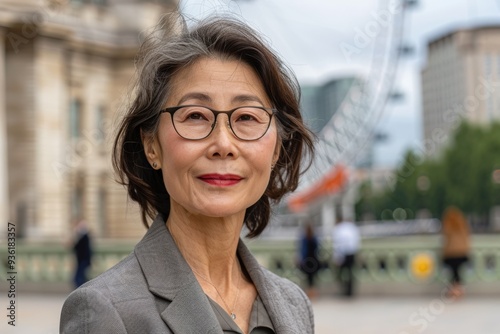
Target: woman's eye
<point x="195" y="115"/>
<point x="246" y="118"/>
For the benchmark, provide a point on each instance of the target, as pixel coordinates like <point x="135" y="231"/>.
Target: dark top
<point x="260" y="323"/>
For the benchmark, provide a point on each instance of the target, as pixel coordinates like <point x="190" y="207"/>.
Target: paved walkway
<point x="403" y="315"/>
<point x="39" y="314"/>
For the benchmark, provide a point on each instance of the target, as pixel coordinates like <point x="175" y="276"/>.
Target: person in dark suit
<point x="213" y="136"/>
<point x="83" y="252"/>
<point x="309" y="260"/>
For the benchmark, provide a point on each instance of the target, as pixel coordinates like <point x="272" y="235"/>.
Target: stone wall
<point x="56" y="56"/>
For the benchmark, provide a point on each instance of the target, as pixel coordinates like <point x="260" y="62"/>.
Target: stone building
<point x="65" y="69"/>
<point x="460" y="81"/>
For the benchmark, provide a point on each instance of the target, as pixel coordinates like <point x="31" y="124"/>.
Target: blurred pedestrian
<point x="83" y="252"/>
<point x="456" y="246"/>
<point x="309" y="262"/>
<point x="346" y="241"/>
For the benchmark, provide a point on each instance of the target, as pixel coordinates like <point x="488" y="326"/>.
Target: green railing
<point x="55" y="263"/>
<point x="391" y="260"/>
<point x="380" y="260"/>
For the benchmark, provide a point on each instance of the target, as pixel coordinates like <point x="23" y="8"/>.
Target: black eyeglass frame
<point x="171" y="110"/>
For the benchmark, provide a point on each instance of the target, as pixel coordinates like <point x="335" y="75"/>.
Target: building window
<point x="498" y="67"/>
<point x="489" y="108"/>
<point x="488" y="66"/>
<point x="101" y="211"/>
<point x="496" y="110"/>
<point x="75" y="118"/>
<point x="100" y="123"/>
<point x="77" y="202"/>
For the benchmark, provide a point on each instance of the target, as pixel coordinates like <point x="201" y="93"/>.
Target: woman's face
<point x="221" y="175"/>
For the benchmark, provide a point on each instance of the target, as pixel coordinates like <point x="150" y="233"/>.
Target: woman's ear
<point x="152" y="149"/>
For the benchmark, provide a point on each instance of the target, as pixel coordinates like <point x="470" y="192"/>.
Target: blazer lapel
<point x="190" y="312"/>
<point x="280" y="311"/>
<point x="169" y="277"/>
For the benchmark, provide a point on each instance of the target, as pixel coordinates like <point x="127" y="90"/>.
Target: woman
<point x="213" y="135"/>
<point x="455" y="248"/>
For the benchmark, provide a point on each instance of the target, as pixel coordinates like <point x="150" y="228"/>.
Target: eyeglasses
<point x="196" y="122"/>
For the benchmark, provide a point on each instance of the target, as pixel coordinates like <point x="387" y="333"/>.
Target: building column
<point x="4" y="180"/>
<point x="53" y="152"/>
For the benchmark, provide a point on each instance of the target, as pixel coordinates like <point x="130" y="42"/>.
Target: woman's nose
<point x="223" y="139"/>
<point x="222" y="125"/>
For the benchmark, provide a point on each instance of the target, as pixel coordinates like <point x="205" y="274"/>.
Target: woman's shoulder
<point x="101" y="303"/>
<point x="124" y="265"/>
<point x="120" y="281"/>
<point x="288" y="288"/>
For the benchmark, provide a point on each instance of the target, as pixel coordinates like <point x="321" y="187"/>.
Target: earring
<point x="272" y="166"/>
<point x="155" y="165"/>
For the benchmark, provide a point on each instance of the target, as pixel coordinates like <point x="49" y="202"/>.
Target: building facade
<point x="66" y="68"/>
<point x="460" y="81"/>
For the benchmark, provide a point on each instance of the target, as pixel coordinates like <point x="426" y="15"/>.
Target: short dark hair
<point x="174" y="46"/>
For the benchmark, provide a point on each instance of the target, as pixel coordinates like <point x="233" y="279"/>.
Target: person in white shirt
<point x="346" y="243"/>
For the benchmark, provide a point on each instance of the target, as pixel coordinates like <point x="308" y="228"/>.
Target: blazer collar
<point x="169" y="276"/>
<point x="280" y="310"/>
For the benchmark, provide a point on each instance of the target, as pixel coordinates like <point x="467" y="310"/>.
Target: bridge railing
<point x="379" y="260"/>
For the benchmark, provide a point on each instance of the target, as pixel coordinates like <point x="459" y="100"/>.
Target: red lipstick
<point x="221" y="180"/>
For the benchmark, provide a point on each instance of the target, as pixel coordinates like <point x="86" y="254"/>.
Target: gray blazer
<point x="153" y="290"/>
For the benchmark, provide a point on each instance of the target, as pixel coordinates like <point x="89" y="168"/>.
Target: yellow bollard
<point x="422" y="266"/>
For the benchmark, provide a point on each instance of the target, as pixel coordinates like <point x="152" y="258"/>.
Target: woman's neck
<point x="208" y="246"/>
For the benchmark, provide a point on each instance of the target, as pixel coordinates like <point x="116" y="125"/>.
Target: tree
<point x="466" y="174"/>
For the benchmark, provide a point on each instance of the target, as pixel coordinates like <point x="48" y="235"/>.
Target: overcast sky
<point x="310" y="36"/>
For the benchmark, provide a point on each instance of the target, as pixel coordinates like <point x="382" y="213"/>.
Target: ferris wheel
<point x="353" y="125"/>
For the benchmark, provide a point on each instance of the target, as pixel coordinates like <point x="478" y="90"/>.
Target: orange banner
<point x="329" y="184"/>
